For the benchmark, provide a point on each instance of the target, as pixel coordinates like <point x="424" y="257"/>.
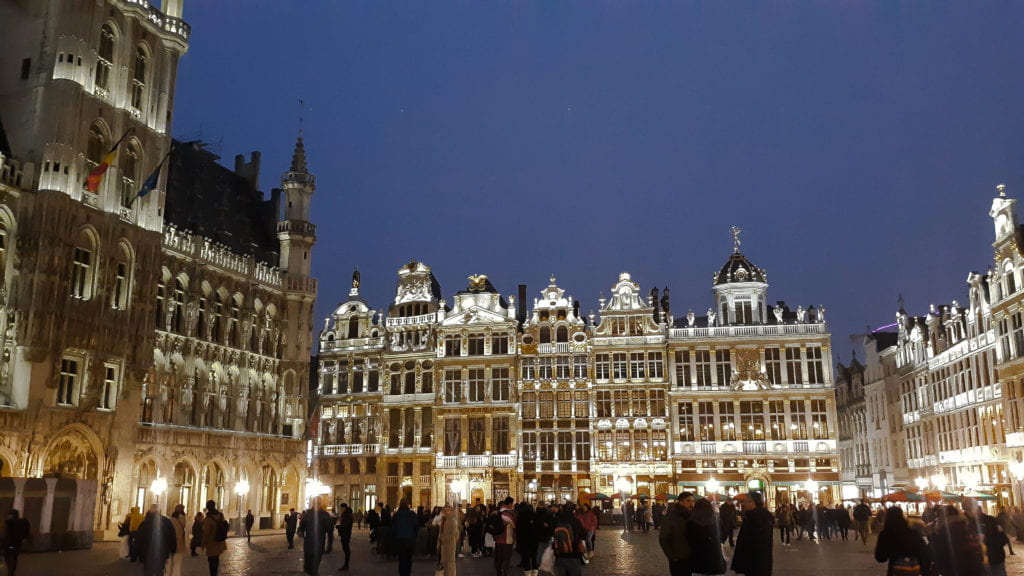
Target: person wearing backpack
<point x="901" y="547"/>
<point x="504" y="537"/>
<point x="215" y="535"/>
<point x="568" y="541"/>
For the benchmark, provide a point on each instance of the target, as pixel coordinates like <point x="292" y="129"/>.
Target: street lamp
<point x="241" y="488"/>
<point x="939" y="481"/>
<point x="713" y="486"/>
<point x="158" y="487"/>
<point x="531" y="490"/>
<point x="456" y="491"/>
<point x="812" y="486"/>
<point x="623" y="484"/>
<point x="921" y="482"/>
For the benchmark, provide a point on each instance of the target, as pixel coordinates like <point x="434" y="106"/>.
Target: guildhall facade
<point x="481" y="398"/>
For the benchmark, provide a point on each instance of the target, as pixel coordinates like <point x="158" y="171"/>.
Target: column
<point x="46" y="519"/>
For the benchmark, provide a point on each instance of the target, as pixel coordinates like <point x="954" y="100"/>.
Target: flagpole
<point x="156" y="173"/>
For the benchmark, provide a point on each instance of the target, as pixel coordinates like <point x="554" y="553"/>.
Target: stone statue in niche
<point x="801" y="315"/>
<point x="348" y="433"/>
<point x="356" y="277"/>
<point x="778" y="313"/>
<point x="711" y="317"/>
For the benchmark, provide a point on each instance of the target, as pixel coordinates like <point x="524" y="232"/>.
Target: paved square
<point x="635" y="555"/>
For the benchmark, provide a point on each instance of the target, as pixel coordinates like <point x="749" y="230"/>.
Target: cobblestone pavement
<point x="635" y="555"/>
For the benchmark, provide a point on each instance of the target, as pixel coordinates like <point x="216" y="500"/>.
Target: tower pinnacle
<point x="299" y="157"/>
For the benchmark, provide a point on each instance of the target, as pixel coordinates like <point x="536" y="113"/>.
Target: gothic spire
<point x="299" y="157"/>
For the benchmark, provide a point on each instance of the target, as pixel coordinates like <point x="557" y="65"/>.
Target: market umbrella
<point x="640" y="496"/>
<point x="979" y="495"/>
<point x="950" y="497"/>
<point x="661" y="496"/>
<point x="903" y="496"/>
<point x="585" y="496"/>
<point x="600" y="496"/>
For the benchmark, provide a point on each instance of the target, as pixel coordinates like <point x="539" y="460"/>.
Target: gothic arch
<point x="74" y="452"/>
<point x="8" y="463"/>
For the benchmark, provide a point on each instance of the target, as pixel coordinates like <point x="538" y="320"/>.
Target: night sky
<point x="857" y="145"/>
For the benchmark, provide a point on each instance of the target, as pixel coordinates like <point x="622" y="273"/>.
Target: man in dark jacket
<point x="156" y="541"/>
<point x="672" y="536"/>
<point x="345" y="521"/>
<point x="404" y="526"/>
<point x="291" y="523"/>
<point x="727" y="516"/>
<point x="753" y="554"/>
<point x="314" y="526"/>
<point x="15" y="531"/>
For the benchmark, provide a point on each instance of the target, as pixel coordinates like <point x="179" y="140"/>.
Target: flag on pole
<point x="95" y="177"/>
<point x="151" y="182"/>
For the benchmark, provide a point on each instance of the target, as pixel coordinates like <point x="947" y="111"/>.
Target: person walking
<point x="784" y="520"/>
<point x="588" y="518"/>
<point x="753" y="552"/>
<point x="843" y="521"/>
<point x="705" y="543"/>
<point x="448" y="539"/>
<point x="358" y="517"/>
<point x="504" y="542"/>
<point x="900" y="546"/>
<point x="135" y="518"/>
<point x="862" y="516"/>
<point x="727" y="522"/>
<point x="404" y="526"/>
<point x="197" y="533"/>
<point x="179" y="521"/>
<point x="526" y="538"/>
<point x="215" y="535"/>
<point x="156" y="542"/>
<point x="249" y="521"/>
<point x="313" y="527"/>
<point x="291" y="524"/>
<point x="346" y="521"/>
<point x="15" y="531"/>
<point x="568" y="542"/>
<point x="672" y="536"/>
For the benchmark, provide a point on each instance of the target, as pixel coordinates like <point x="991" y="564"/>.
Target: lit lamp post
<point x="812" y="486"/>
<point x="531" y="490"/>
<point x="939" y="481"/>
<point x="623" y="484"/>
<point x="241" y="488"/>
<point x="713" y="486"/>
<point x="158" y="487"/>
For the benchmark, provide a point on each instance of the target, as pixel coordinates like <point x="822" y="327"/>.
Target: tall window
<point x="452" y="436"/>
<point x="658" y="406"/>
<point x="605" y="446"/>
<point x="702" y="361"/>
<point x="453" y="345"/>
<point x="773" y="365"/>
<point x="744" y="311"/>
<point x="793" y="371"/>
<point x="565" y="445"/>
<point x="546" y="405"/>
<point x="583" y="446"/>
<point x="476" y="344"/>
<point x="723" y="365"/>
<point x="727" y="420"/>
<point x="529" y="405"/>
<point x="752" y="419"/>
<point x="128" y="166"/>
<point x="81" y="273"/>
<point x="67" y="386"/>
<point x="620" y="367"/>
<point x="528" y="368"/>
<point x="686" y="423"/>
<point x="683" y="368"/>
<point x="216" y="330"/>
<point x="601" y="367"/>
<point x="108" y="393"/>
<point x="427" y="378"/>
<point x="119" y="295"/>
<point x="161" y="299"/>
<point x="96" y="147"/>
<point x="477" y="435"/>
<point x="604" y="404"/>
<point x="819" y="420"/>
<point x="622" y="403"/>
<point x="623" y="446"/>
<point x="798" y="419"/>
<point x="579" y="367"/>
<point x="452" y="385"/>
<point x="105" y="61"/>
<point x="201" y="320"/>
<point x="582" y="406"/>
<point x="777" y="420"/>
<point x="138" y="82"/>
<point x="3" y="253"/>
<point x="706" y="413"/>
<point x="233" y="324"/>
<point x="546" y="445"/>
<point x="178" y="307"/>
<point x="815" y="366"/>
<point x="636" y="365"/>
<point x="654" y="366"/>
<point x="544" y="368"/>
<point x="562" y="364"/>
<point x="476" y="383"/>
<point x="500" y="435"/>
<point x="659" y="444"/>
<point x="564" y="403"/>
<point x="500" y="384"/>
<point x="499" y="344"/>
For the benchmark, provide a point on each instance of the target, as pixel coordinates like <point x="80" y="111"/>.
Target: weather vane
<point x="735" y="238"/>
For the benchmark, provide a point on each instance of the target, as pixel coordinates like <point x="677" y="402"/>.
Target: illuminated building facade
<point x="156" y="344"/>
<point x="483" y="401"/>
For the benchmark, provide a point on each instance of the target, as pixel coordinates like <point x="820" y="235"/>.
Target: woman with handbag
<point x="901" y="547"/>
<point x="448" y="539"/>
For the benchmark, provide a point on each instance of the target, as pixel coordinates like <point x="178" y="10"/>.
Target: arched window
<point x="122" y="278"/>
<point x="562" y="334"/>
<point x="161" y="303"/>
<point x="138" y="81"/>
<point x="96" y="147"/>
<point x="106" y="57"/>
<point x="129" y="166"/>
<point x="83" y="266"/>
<point x="216" y="333"/>
<point x="268" y="500"/>
<point x="353" y="327"/>
<point x="178" y="307"/>
<point x="233" y="322"/>
<point x="6" y="242"/>
<point x="545" y="335"/>
<point x="184" y="481"/>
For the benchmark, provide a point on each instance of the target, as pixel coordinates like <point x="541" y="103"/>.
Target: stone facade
<point x="479" y="400"/>
<point x="136" y="343"/>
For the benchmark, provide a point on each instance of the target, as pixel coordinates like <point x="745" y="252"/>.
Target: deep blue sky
<point x="857" y="145"/>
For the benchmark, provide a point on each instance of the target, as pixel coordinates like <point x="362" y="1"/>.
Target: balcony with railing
<point x="477" y="461"/>
<point x="348" y="449"/>
<point x="392" y="321"/>
<point x="754" y="330"/>
<point x="757" y="447"/>
<point x="169" y="24"/>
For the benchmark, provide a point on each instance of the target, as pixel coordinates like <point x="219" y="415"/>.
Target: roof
<point x="212" y="201"/>
<point x="739" y="269"/>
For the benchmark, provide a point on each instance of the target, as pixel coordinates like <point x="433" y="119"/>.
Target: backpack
<point x="222" y="530"/>
<point x="562" y="540"/>
<point x="495" y="525"/>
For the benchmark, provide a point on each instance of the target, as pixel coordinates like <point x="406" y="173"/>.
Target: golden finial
<point x="735" y="238"/>
<point x="1002" y="190"/>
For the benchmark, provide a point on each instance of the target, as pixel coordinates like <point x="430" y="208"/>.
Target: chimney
<point x="521" y="311"/>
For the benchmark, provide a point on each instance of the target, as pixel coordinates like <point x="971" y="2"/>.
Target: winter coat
<point x="705" y="548"/>
<point x="753" y="553"/>
<point x="893" y="545"/>
<point x="672" y="536"/>
<point x="210" y="544"/>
